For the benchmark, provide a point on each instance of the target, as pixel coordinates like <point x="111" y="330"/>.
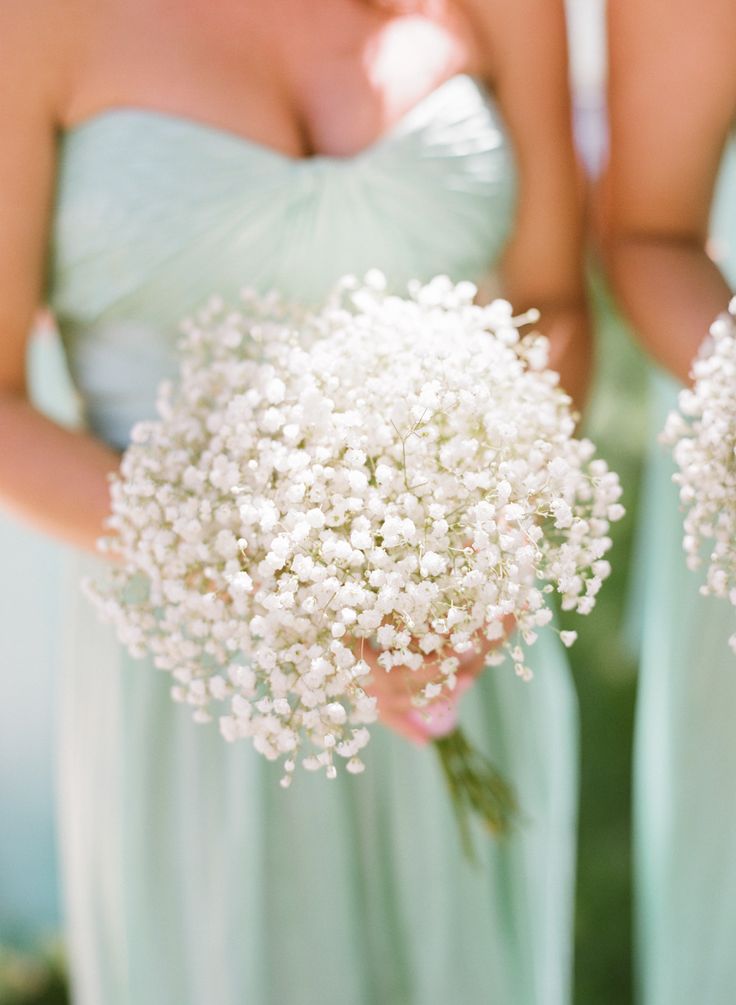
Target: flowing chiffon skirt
<point x="194" y="879"/>
<point x="685" y="762"/>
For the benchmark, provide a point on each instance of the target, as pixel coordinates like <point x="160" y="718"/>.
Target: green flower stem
<point x="475" y="787"/>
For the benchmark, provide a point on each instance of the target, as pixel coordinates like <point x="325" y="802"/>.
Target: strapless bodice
<point x="155" y="213"/>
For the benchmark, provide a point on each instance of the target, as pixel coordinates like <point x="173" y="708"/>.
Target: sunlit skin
<point x="672" y="98"/>
<point x="321" y="76"/>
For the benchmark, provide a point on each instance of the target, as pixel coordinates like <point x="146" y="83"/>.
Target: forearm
<point x="51" y="477"/>
<point x="671" y="292"/>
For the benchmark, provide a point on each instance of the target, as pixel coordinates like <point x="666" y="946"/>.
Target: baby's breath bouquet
<point x="703" y="436"/>
<point x="385" y="471"/>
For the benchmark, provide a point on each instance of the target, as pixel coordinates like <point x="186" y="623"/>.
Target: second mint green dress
<point x="685" y="753"/>
<point x="190" y="877"/>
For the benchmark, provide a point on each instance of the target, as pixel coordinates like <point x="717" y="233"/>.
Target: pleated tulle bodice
<point x="155" y="213"/>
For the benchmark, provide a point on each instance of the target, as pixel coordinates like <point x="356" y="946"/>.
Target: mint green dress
<point x="30" y="587"/>
<point x="191" y="877"/>
<point x="685" y="751"/>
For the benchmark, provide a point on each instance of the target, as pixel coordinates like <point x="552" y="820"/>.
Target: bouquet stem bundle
<point x="476" y="789"/>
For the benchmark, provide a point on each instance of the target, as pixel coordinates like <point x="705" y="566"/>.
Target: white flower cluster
<point x="703" y="433"/>
<point x="395" y="470"/>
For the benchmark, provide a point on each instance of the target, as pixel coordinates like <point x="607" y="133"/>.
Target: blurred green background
<point x="604" y="667"/>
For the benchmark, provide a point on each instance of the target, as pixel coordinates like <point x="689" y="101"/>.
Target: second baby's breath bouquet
<point x="702" y="433"/>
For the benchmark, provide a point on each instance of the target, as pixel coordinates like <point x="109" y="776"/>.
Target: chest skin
<point x="302" y="77"/>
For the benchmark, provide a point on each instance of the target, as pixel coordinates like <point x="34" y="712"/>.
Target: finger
<point x="471" y="666"/>
<point x="464" y="683"/>
<point x="406" y="726"/>
<point x="436" y="720"/>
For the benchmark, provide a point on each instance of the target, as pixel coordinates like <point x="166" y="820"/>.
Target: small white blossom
<point x="432" y="564"/>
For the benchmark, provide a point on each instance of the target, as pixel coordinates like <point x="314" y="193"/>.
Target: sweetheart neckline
<point x="228" y="135"/>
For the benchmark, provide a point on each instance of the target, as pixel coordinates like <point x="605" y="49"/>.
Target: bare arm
<point x="49" y="476"/>
<point x="543" y="263"/>
<point x="672" y="95"/>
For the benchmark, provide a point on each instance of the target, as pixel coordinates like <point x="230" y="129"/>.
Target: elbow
<point x="617" y="242"/>
<point x="12" y="394"/>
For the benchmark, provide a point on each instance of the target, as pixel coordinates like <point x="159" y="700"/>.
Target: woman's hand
<point x="396" y="689"/>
